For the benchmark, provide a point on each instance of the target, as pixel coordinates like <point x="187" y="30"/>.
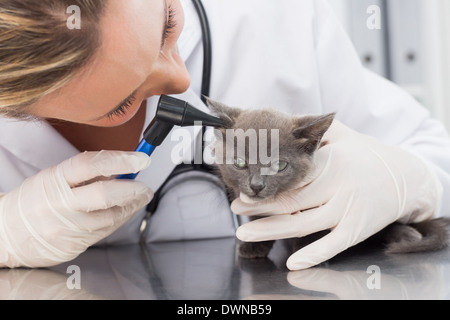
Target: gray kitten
<point x="245" y="170"/>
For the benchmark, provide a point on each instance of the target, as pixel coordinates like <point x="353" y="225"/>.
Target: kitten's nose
<point x="257" y="187"/>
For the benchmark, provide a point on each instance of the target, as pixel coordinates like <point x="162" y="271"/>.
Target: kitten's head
<point x="250" y="158"/>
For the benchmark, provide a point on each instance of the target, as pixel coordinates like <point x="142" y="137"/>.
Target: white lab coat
<point x="289" y="54"/>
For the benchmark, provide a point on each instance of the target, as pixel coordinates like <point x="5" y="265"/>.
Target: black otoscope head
<point x="181" y="113"/>
<point x="175" y="112"/>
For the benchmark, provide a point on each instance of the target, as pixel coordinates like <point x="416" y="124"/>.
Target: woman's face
<point x="138" y="58"/>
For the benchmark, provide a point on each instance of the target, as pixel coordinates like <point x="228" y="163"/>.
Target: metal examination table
<point x="210" y="270"/>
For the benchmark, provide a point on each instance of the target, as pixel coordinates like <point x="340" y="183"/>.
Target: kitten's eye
<point x="279" y="166"/>
<point x="240" y="163"/>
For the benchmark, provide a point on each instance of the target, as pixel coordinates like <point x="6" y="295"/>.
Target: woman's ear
<point x="309" y="130"/>
<point x="227" y="114"/>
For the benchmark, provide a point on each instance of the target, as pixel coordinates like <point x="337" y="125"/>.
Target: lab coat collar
<point x="35" y="142"/>
<point x="191" y="34"/>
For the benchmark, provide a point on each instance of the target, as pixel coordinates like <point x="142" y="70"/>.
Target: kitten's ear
<point x="227" y="114"/>
<point x="310" y="130"/>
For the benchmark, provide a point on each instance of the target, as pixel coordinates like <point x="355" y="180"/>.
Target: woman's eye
<point x="170" y="25"/>
<point x="240" y="163"/>
<point x="279" y="166"/>
<point x="121" y="111"/>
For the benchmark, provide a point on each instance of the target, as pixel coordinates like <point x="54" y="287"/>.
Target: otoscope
<point x="170" y="112"/>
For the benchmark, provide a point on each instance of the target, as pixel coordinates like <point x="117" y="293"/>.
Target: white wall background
<point x="412" y="48"/>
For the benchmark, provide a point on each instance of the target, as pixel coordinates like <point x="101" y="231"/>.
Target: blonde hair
<point x="38" y="52"/>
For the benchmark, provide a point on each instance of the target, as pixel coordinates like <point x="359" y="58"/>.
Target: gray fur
<point x="429" y="235"/>
<point x="299" y="138"/>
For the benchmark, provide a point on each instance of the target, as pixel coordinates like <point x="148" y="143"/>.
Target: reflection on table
<point x="211" y="270"/>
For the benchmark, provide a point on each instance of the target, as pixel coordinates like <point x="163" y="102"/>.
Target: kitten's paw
<point x="255" y="250"/>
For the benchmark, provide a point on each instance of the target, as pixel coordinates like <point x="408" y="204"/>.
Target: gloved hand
<point x="358" y="187"/>
<point x="419" y="280"/>
<point x="58" y="213"/>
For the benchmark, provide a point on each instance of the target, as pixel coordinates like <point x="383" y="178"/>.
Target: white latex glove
<point x="358" y="187"/>
<point x="58" y="213"/>
<point x="419" y="281"/>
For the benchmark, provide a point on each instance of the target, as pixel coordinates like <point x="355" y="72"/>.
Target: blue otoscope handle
<point x="143" y="147"/>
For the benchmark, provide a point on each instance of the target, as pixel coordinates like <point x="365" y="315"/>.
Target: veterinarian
<point x="85" y="75"/>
